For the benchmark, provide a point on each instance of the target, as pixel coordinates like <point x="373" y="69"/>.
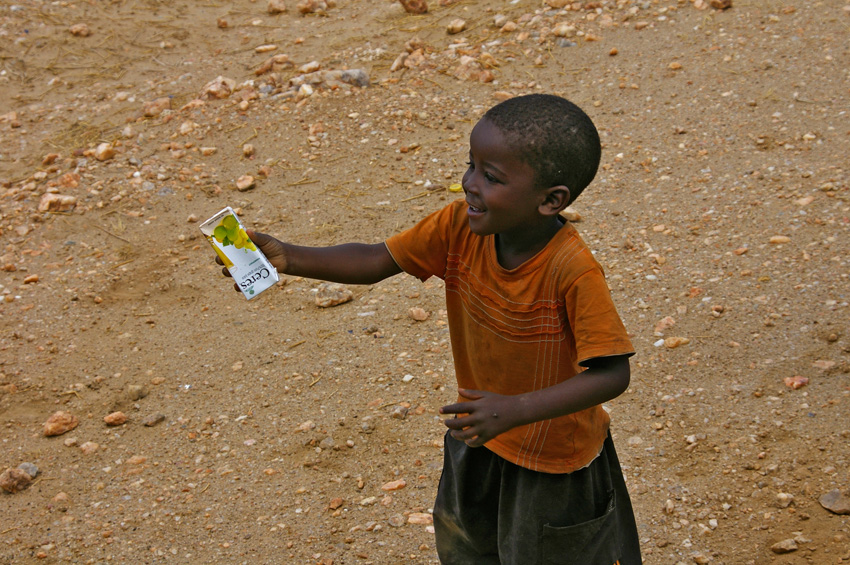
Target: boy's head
<point x="553" y="135"/>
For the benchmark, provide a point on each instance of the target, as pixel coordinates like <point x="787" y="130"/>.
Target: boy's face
<point x="499" y="186"/>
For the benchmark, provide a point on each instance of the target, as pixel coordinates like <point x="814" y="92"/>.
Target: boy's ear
<point x="557" y="198"/>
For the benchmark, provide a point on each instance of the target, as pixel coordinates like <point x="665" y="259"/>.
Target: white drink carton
<point x="247" y="264"/>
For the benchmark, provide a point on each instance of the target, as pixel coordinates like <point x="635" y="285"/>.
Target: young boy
<point x="537" y="344"/>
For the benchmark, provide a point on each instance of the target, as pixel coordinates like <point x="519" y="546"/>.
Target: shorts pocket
<point x="595" y="542"/>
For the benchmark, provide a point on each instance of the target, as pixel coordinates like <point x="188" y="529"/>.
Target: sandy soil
<point x="720" y="213"/>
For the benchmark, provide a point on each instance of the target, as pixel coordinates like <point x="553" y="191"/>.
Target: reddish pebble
<point x="115" y="419"/>
<point x="796" y="382"/>
<point x="59" y="423"/>
<point x="14" y="480"/>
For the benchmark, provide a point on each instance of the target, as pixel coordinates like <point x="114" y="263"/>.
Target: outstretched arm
<point x="488" y="414"/>
<point x="350" y="263"/>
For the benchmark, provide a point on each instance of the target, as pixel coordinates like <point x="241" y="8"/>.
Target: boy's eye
<point x="471" y="166"/>
<point x="490" y="178"/>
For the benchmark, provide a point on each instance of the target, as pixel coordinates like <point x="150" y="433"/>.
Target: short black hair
<point x="553" y="135"/>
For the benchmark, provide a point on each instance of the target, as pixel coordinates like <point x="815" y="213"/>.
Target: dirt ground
<point x="276" y="431"/>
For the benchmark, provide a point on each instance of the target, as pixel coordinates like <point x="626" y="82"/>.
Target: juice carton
<point x="247" y="264"/>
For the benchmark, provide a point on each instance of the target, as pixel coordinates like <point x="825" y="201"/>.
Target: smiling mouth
<point x="475" y="209"/>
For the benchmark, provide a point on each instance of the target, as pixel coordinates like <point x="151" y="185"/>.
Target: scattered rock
<point x="779" y="239"/>
<point x="29" y="468"/>
<point x="115" y="419"/>
<point x="835" y="502"/>
<point x="570" y="214"/>
<point x="418" y="314"/>
<point x="394" y="485"/>
<point x="276" y="7"/>
<point x="307" y="426"/>
<point x="156" y="107"/>
<point x="80" y="30"/>
<point x="219" y="87"/>
<point x="396" y="520"/>
<point x="330" y="79"/>
<point x="784" y="546"/>
<point x="136" y="392"/>
<point x="420" y="518"/>
<point x="470" y="69"/>
<point x="245" y="183"/>
<point x="784" y="499"/>
<point x="664" y="324"/>
<point x="564" y="30"/>
<point x="52" y="202"/>
<point x="60" y="423"/>
<point x="315" y="6"/>
<point x="104" y="152"/>
<point x="332" y="294"/>
<point x="456" y="26"/>
<point x="414" y="6"/>
<point x="310" y="67"/>
<point x="153" y="419"/>
<point x="275" y="63"/>
<point x="15" y="480"/>
<point x="89" y="447"/>
<point x="187" y="127"/>
<point x="62" y="501"/>
<point x="674" y="342"/>
<point x="367" y="424"/>
<point x="796" y="382"/>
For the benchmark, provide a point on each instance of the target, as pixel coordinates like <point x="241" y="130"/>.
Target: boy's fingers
<point x="457" y="423"/>
<point x="470" y="394"/>
<point x="459" y="408"/>
<point x="470" y="439"/>
<point x="225" y="272"/>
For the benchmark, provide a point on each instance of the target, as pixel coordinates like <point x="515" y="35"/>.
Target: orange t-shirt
<point x="520" y="330"/>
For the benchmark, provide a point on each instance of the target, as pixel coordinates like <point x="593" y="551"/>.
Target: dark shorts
<point x="490" y="511"/>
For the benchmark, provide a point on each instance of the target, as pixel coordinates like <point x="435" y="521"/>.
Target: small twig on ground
<point x="122" y="264"/>
<point x="420" y="195"/>
<point x="112" y="234"/>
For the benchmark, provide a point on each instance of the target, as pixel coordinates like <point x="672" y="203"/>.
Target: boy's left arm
<point x="487" y="414"/>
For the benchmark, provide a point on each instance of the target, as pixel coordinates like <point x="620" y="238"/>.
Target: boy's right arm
<point x="350" y="263"/>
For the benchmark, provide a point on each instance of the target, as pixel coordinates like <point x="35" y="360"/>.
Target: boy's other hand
<point x="486" y="416"/>
<point x="271" y="248"/>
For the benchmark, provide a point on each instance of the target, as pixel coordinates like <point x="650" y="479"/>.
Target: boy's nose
<point x="466" y="183"/>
